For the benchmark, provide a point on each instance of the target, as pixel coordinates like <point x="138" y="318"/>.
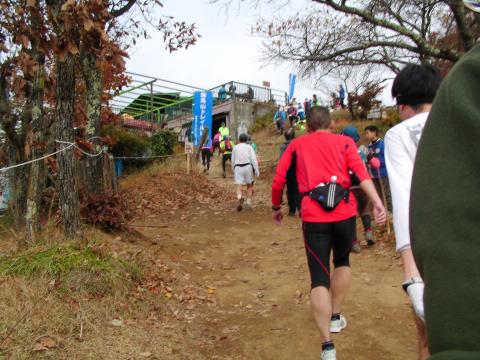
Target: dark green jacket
<point x="445" y="214"/>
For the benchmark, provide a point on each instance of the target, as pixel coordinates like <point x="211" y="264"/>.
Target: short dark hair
<point x="289" y="134"/>
<point x="319" y="118"/>
<point x="372" y="128"/>
<point x="416" y="85"/>
<point x="243" y="138"/>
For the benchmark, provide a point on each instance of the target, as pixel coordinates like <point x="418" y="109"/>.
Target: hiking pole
<point x="384" y="198"/>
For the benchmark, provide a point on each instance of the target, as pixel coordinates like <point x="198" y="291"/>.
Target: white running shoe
<point x="330" y="354"/>
<point x="338" y="325"/>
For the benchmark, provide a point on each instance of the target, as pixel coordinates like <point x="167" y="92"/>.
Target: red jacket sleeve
<point x="281" y="175"/>
<point x="354" y="162"/>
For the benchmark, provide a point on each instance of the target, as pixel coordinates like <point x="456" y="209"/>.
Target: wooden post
<point x="189" y="163"/>
<point x="384" y="198"/>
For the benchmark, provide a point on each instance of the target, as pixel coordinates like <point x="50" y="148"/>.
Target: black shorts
<point x="320" y="239"/>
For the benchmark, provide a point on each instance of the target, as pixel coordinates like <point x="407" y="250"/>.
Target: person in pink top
<point x="207" y="150"/>
<point x="216" y="143"/>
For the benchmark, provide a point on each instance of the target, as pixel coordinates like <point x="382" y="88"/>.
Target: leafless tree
<point x="331" y="34"/>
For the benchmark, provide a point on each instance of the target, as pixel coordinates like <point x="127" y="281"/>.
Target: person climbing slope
<point x="362" y="199"/>
<point x="328" y="213"/>
<point x="414" y="89"/>
<point x="245" y="168"/>
<point x="226" y="147"/>
<point x="207" y="150"/>
<point x="293" y="196"/>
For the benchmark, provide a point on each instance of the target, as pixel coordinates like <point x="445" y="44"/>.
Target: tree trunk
<point x="94" y="91"/>
<point x="351" y="110"/>
<point x="17" y="177"/>
<point x="18" y="184"/>
<point x="464" y="29"/>
<point x="37" y="179"/>
<point x="64" y="116"/>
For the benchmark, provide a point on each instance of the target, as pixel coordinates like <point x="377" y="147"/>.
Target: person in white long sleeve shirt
<point x="414" y="89"/>
<point x="245" y="168"/>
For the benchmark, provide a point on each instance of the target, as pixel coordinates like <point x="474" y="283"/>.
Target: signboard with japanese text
<point x="202" y="115"/>
<point x="188" y="147"/>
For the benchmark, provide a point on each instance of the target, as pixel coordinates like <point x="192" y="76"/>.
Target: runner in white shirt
<point x="245" y="167"/>
<point x="414" y="89"/>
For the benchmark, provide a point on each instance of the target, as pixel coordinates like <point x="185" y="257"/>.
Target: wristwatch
<point x="412" y="280"/>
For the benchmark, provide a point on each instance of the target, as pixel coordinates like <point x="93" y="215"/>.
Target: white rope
<point x="38" y="159"/>
<point x="78" y="148"/>
<point x="69" y="145"/>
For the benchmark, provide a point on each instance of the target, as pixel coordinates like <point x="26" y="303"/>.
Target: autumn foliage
<point x="81" y="42"/>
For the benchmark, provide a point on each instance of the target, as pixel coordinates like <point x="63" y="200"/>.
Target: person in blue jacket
<point x="279" y="119"/>
<point x="222" y="94"/>
<point x="376" y="148"/>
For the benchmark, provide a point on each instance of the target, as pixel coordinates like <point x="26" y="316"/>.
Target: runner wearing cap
<point x="362" y="199"/>
<point x="245" y="168"/>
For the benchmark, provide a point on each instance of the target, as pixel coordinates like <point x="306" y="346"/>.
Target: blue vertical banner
<point x="292" y="79"/>
<point x="202" y="114"/>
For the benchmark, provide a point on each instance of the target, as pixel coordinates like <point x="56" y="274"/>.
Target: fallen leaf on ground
<point x="44" y="344"/>
<point x="116" y="322"/>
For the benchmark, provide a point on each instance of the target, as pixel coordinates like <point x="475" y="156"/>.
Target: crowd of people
<point x="243" y="161"/>
<point x="334" y="179"/>
<point x="331" y="179"/>
<point x="295" y="112"/>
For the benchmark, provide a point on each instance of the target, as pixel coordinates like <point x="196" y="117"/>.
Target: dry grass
<point x="170" y="165"/>
<point x="81" y="326"/>
<point x="70" y="295"/>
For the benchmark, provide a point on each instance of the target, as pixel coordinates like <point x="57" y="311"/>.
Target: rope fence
<point x="69" y="145"/>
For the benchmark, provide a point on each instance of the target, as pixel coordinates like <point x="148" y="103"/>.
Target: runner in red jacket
<point x="321" y="158"/>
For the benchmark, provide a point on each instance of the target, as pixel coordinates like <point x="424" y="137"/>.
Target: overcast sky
<point x="226" y="51"/>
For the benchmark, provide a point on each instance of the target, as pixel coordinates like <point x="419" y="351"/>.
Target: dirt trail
<point x="256" y="274"/>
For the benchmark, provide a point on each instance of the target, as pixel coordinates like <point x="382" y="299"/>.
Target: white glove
<point x="415" y="293"/>
<point x="257" y="173"/>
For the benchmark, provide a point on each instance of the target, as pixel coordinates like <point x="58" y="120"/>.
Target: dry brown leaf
<point x="39" y="347"/>
<point x="116" y="322"/>
<point x="48" y="342"/>
<point x="23" y="40"/>
<point x="68" y="5"/>
<point x="88" y="25"/>
<point x="45" y="343"/>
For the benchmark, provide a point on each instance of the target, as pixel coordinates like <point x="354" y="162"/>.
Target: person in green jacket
<point x="224" y="130"/>
<point x="445" y="213"/>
